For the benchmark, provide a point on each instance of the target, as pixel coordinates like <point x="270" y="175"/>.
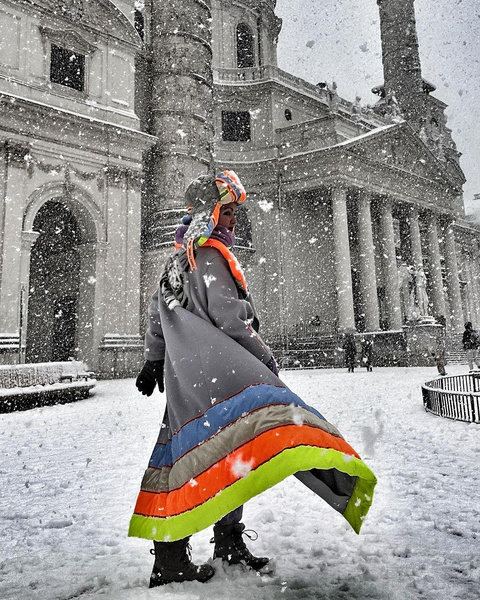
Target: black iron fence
<point x="456" y="397"/>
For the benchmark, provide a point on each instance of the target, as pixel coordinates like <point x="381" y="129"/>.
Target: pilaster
<point x="11" y="257"/>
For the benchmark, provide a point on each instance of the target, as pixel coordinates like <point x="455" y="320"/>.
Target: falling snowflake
<point x="242" y="468"/>
<point x="265" y="205"/>
<point x="208" y="279"/>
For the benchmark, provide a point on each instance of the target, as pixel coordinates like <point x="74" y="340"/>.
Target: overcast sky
<point x="339" y="40"/>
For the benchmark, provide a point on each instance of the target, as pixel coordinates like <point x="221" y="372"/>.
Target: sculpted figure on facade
<point x="421" y="289"/>
<point x="405" y="285"/>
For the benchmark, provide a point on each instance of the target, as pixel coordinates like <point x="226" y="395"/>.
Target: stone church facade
<point x="109" y="109"/>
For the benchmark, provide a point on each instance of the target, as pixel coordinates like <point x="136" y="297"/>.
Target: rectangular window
<point x="67" y="68"/>
<point x="236" y="126"/>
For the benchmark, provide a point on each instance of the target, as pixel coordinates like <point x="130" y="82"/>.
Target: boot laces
<point x="251" y="534"/>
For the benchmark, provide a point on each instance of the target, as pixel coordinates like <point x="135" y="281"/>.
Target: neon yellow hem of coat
<point x="288" y="462"/>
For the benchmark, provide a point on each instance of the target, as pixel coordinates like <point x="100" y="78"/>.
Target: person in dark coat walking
<point x="439" y="356"/>
<point x="231" y="428"/>
<point x="350" y="349"/>
<point x="367" y="353"/>
<point x="471" y="342"/>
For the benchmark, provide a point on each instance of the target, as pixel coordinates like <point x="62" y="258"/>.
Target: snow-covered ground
<point x="69" y="476"/>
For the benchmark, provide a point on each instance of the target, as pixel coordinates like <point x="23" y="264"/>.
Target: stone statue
<point x="405" y="280"/>
<point x="421" y="288"/>
<point x="333" y="97"/>
<point x="357" y="109"/>
<point x="412" y="304"/>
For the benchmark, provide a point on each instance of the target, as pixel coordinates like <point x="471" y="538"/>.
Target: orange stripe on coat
<point x="235" y="466"/>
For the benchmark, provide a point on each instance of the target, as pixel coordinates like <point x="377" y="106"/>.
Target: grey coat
<point x="232" y="428"/>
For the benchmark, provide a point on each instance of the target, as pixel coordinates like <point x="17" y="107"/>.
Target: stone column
<point x="390" y="270"/>
<point x="99" y="320"/>
<point x="368" y="279"/>
<point x="343" y="273"/>
<point x="415" y="240"/>
<point x="453" y="287"/>
<point x="181" y="107"/>
<point x="435" y="267"/>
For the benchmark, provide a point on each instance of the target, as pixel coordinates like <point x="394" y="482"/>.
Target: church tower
<point x="403" y="82"/>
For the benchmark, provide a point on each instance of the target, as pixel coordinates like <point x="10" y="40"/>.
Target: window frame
<point x="224" y="113"/>
<point x="71" y="41"/>
<point x="236" y="38"/>
<point x="84" y="74"/>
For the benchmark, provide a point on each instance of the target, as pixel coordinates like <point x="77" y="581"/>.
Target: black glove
<point x="272" y="365"/>
<point x="151" y="373"/>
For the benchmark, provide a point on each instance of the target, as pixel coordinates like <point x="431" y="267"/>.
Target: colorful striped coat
<point x="232" y="429"/>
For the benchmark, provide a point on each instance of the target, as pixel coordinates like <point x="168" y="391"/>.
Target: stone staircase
<point x="324" y="351"/>
<point x="456" y="355"/>
<point x="309" y="352"/>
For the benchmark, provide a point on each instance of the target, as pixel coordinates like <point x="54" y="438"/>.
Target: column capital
<point x="448" y="221"/>
<point x="339" y="186"/>
<point x="29" y="238"/>
<point x="413" y="211"/>
<point x="364" y="196"/>
<point x="385" y="202"/>
<point x="431" y="216"/>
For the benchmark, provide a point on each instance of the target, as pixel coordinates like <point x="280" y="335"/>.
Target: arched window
<point x="245" y="52"/>
<point x="139" y="22"/>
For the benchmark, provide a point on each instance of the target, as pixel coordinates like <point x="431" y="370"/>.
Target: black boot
<point x="230" y="547"/>
<point x="173" y="564"/>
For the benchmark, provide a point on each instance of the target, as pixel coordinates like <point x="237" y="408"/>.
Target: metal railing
<point x="456" y="397"/>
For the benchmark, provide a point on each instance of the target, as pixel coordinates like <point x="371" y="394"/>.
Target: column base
<point x="421" y="341"/>
<point x="9" y="348"/>
<point x="120" y="356"/>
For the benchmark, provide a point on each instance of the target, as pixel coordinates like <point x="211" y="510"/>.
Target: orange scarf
<point x="235" y="268"/>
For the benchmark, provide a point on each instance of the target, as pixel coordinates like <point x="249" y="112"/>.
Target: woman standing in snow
<point x="231" y="428"/>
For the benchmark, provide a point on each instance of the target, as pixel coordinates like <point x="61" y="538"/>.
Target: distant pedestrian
<point x="439" y="356"/>
<point x="350" y="350"/>
<point x="367" y="353"/>
<point x="471" y="342"/>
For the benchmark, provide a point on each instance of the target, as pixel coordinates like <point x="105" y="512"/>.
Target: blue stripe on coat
<point x="220" y="415"/>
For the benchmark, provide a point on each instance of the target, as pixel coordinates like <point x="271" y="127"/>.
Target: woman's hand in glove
<point x="151" y="373"/>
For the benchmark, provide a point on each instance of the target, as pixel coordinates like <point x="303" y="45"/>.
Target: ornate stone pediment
<point x="101" y="15"/>
<point x="68" y="38"/>
<point x="398" y="147"/>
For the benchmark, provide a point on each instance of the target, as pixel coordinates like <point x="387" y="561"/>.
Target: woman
<point x="231" y="429"/>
